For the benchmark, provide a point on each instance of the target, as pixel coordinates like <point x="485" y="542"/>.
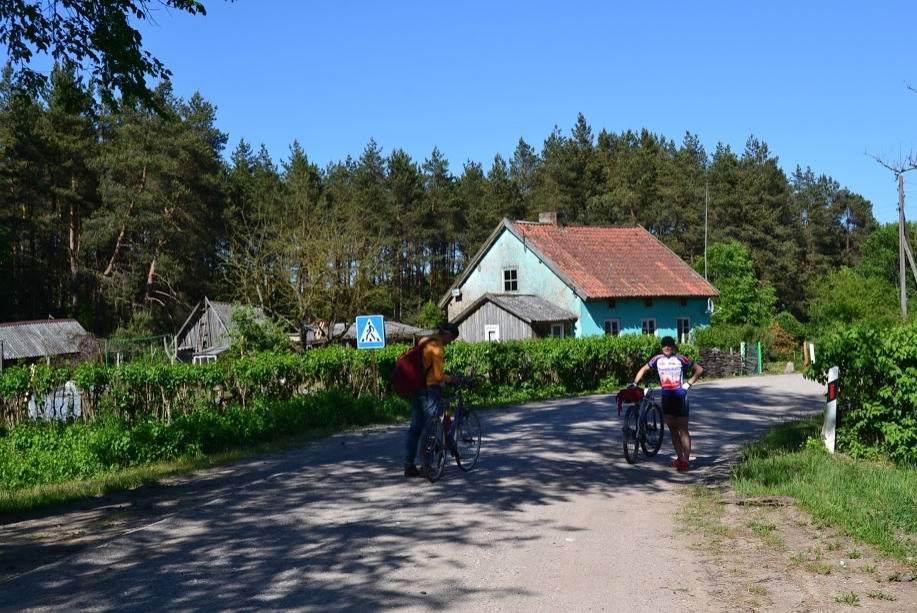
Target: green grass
<point x="872" y="501"/>
<point x="848" y="598"/>
<point x="49" y="494"/>
<point x="880" y="595"/>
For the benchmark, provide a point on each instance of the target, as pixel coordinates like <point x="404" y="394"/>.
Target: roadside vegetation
<point x="871" y="500"/>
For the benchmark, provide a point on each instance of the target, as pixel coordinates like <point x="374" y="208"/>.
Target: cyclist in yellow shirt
<point x="426" y="402"/>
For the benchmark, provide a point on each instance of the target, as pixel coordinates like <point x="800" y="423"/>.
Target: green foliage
<point x="743" y="299"/>
<point x="791" y="325"/>
<point x="725" y="336"/>
<point x="38" y="453"/>
<point x="847" y="297"/>
<point x="140" y="325"/>
<point x="871" y="501"/>
<point x="429" y="316"/>
<point x="253" y="334"/>
<point x="877" y="389"/>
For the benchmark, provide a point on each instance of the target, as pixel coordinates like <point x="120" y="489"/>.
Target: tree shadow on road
<point x="334" y="526"/>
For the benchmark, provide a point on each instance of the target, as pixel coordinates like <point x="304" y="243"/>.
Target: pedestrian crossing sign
<point x="370" y="332"/>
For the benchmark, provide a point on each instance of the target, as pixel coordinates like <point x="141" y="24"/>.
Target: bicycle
<point x="459" y="434"/>
<point x="643" y="427"/>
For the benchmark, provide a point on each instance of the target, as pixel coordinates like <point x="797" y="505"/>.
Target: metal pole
<point x="706" y="206"/>
<point x="901" y="239"/>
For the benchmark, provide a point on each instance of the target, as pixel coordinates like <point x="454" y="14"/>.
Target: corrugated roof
<point x="528" y="308"/>
<point x="34" y="339"/>
<point x="394" y="330"/>
<point x="604" y="262"/>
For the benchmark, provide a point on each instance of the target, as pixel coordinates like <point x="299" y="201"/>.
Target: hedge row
<point x="35" y="453"/>
<point x="877" y="389"/>
<point x="510" y="370"/>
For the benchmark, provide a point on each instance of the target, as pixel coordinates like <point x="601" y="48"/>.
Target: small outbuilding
<point x="207" y="333"/>
<point x="346" y="334"/>
<point x="45" y="339"/>
<point x="501" y="317"/>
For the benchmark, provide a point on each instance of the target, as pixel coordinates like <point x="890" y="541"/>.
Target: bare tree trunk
<point x="74" y="252"/>
<point x="120" y="242"/>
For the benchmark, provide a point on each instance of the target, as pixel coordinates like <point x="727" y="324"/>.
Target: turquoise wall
<point x="534" y="277"/>
<point x="630" y="312"/>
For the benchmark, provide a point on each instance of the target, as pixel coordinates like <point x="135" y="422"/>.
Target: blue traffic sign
<point x="370" y="332"/>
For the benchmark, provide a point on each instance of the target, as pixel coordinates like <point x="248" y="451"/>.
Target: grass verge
<point x="872" y="501"/>
<point x="49" y="494"/>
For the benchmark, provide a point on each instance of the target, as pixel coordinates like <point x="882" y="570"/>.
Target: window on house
<point x="491" y="333"/>
<point x="648" y="302"/>
<point x="510" y="280"/>
<point x="683" y="302"/>
<point x="612" y="304"/>
<point x="458" y="298"/>
<point x="557" y="330"/>
<point x="683" y="327"/>
<point x="649" y="326"/>
<point x="612" y="327"/>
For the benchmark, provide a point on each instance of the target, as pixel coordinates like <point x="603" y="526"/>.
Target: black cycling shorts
<point x="675" y="404"/>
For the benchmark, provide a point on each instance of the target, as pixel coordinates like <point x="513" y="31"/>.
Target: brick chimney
<point x="548" y="218"/>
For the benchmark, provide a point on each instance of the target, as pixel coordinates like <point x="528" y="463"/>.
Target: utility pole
<point x="706" y="206"/>
<point x="902" y="237"/>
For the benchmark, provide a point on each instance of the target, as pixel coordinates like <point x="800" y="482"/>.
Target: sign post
<point x="828" y="430"/>
<point x="371" y="335"/>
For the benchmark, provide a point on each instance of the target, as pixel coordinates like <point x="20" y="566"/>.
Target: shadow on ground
<point x="334" y="525"/>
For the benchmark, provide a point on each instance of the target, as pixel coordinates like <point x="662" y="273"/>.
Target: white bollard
<point x="812" y="353"/>
<point x="829" y="427"/>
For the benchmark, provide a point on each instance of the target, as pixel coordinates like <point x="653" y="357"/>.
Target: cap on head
<point x="668" y="341"/>
<point x="448" y="328"/>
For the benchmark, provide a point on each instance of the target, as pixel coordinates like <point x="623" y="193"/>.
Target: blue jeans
<point x="424" y="404"/>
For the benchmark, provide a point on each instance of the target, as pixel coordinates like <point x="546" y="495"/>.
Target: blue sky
<point x="823" y="83"/>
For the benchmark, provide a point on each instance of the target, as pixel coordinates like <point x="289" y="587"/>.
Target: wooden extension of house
<point x="533" y="279"/>
<point x="207" y="333"/>
<point x="41" y="340"/>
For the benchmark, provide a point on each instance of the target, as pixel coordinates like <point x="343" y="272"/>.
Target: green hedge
<point x="877" y="391"/>
<point x="511" y="370"/>
<point x="35" y="453"/>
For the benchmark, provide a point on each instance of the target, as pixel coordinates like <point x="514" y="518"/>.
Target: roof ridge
<point x="25" y="322"/>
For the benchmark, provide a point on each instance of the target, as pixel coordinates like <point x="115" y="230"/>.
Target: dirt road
<point x="553" y="519"/>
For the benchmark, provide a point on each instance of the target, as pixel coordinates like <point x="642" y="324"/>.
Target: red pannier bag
<point x="629" y="395"/>
<point x="409" y="375"/>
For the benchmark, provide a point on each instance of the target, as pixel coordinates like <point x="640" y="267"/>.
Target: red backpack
<point x="409" y="375"/>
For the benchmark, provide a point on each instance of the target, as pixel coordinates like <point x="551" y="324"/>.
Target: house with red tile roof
<point x="549" y="279"/>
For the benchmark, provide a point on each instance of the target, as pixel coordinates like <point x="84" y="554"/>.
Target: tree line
<point x="124" y="215"/>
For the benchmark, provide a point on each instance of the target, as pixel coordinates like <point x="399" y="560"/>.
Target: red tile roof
<point x="614" y="262"/>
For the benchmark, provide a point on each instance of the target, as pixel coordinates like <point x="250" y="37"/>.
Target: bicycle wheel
<point x="631" y="440"/>
<point x="433" y="449"/>
<point x="468" y="440"/>
<point x="653" y="430"/>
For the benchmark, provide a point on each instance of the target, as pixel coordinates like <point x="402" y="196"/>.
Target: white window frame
<point x="507" y="281"/>
<point x="203" y="359"/>
<point x="612" y="323"/>
<point x="643" y="326"/>
<point x="683" y="337"/>
<point x="492" y="328"/>
<point x="560" y="327"/>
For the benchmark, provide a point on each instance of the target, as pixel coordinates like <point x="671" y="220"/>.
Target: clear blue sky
<point x="823" y="83"/>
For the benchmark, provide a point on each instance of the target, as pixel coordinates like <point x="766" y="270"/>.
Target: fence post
<point x="1" y="355"/>
<point x="760" y="360"/>
<point x="828" y="430"/>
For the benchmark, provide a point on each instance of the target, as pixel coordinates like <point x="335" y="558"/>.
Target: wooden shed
<point x="29" y="341"/>
<point x="500" y="317"/>
<point x="207" y="332"/>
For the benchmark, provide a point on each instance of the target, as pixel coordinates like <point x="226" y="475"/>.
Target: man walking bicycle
<point x="671" y="367"/>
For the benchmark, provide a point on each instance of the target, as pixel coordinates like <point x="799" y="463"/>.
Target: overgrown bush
<point x="877" y="391"/>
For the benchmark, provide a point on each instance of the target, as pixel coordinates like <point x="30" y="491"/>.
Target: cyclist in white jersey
<point x="674" y="390"/>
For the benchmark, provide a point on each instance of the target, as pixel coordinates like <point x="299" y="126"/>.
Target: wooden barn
<point x="45" y="339"/>
<point x="207" y="332"/>
<point x="500" y="317"/>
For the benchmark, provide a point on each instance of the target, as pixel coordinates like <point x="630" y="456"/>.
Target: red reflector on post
<point x="832" y="391"/>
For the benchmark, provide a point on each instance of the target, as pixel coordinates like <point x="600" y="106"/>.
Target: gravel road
<point x="552" y="519"/>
